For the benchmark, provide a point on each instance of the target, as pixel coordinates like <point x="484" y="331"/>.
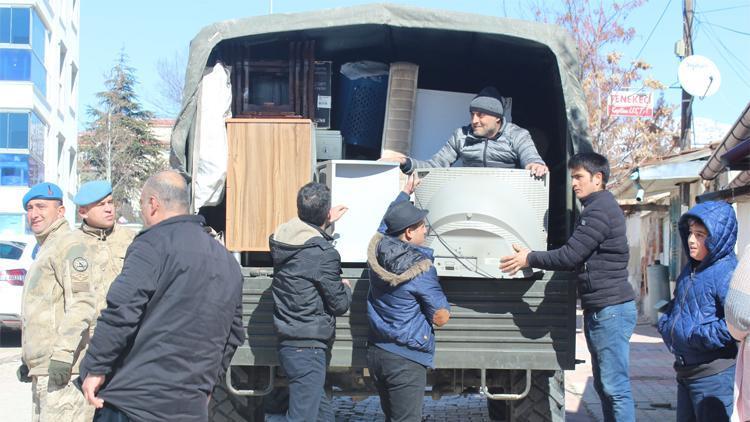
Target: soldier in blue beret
<point x="86" y="262"/>
<point x="44" y="206"/>
<point x="45" y="214"/>
<point x="93" y="191"/>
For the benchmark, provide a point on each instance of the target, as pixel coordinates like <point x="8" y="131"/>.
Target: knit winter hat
<point x="488" y="101"/>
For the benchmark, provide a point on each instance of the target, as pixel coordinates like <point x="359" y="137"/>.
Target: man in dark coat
<point x="309" y="294"/>
<point x="598" y="252"/>
<point x="173" y="318"/>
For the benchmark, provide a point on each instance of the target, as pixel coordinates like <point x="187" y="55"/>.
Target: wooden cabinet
<point x="269" y="160"/>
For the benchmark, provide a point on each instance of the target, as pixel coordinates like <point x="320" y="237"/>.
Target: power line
<point x="638" y="56"/>
<point x="728" y="29"/>
<point x="729" y="51"/>
<point x="724" y="8"/>
<point x="710" y="35"/>
<point x="653" y="29"/>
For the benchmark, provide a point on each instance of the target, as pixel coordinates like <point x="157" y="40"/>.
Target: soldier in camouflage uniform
<point x="65" y="302"/>
<point x="45" y="214"/>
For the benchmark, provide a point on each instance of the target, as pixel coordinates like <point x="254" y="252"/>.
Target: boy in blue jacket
<point x="693" y="326"/>
<point x="404" y="301"/>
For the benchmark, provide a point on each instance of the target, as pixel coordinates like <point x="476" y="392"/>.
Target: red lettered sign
<point x="630" y="104"/>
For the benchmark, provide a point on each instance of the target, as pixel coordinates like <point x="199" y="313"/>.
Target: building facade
<point x="39" y="43"/>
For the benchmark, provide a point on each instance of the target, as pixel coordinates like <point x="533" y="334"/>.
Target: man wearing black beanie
<point x="489" y="141"/>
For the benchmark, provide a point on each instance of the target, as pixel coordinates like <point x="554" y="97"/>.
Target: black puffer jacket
<point x="597" y="250"/>
<point x="307" y="287"/>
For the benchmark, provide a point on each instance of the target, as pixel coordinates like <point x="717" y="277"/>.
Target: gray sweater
<point x="512" y="148"/>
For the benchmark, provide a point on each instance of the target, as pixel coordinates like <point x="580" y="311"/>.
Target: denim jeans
<point x="305" y="369"/>
<point x="608" y="332"/>
<point x="706" y="399"/>
<point x="110" y="414"/>
<point x="400" y="383"/>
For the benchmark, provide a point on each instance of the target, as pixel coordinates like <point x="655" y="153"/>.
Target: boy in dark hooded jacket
<point x="404" y="301"/>
<point x="693" y="325"/>
<point x="309" y="294"/>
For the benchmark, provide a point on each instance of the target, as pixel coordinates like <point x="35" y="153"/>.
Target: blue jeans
<point x="608" y="332"/>
<point x="400" y="383"/>
<point x="305" y="369"/>
<point x="110" y="414"/>
<point x="706" y="399"/>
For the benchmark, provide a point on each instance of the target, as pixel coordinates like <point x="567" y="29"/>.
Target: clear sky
<point x="150" y="30"/>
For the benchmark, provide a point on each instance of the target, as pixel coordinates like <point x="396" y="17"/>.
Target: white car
<point x="15" y="260"/>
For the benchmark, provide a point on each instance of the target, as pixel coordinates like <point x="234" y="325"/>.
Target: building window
<point x="14" y="130"/>
<point x="22" y="65"/>
<point x="25" y="31"/>
<point x="5" y="24"/>
<point x="22" y="25"/>
<point x="18" y="24"/>
<point x="39" y="36"/>
<point x="14" y="170"/>
<point x="24" y="132"/>
<point x="37" y="134"/>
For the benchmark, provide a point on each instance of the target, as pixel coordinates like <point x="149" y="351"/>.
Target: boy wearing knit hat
<point x="404" y="304"/>
<point x="489" y="141"/>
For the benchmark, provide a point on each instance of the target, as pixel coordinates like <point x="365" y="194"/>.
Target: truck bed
<point x="495" y="324"/>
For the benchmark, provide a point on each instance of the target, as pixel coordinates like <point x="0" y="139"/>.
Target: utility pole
<point x="686" y="116"/>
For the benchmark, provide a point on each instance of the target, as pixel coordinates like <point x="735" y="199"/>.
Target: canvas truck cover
<point x="446" y="40"/>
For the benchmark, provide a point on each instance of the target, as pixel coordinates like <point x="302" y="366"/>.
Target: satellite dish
<point x="699" y="76"/>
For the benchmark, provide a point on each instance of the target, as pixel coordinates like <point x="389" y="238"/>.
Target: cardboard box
<point x="322" y="94"/>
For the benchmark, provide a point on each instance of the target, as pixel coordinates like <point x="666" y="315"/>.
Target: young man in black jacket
<point x="598" y="252"/>
<point x="309" y="294"/>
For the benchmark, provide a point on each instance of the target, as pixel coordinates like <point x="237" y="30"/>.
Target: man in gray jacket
<point x="488" y="141"/>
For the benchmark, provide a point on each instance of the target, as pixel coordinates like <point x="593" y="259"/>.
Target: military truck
<point x="509" y="339"/>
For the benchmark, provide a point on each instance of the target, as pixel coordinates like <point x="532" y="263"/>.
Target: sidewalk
<point x="651" y="375"/>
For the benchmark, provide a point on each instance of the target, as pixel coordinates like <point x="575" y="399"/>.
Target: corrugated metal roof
<point x="739" y="132"/>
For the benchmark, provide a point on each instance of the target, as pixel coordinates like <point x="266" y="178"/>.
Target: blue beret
<point x="44" y="190"/>
<point x="93" y="191"/>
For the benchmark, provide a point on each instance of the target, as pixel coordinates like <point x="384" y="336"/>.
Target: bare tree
<point x="171" y="71"/>
<point x="598" y="30"/>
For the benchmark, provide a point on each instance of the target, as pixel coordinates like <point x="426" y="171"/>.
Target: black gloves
<point x="59" y="372"/>
<point x="23" y="373"/>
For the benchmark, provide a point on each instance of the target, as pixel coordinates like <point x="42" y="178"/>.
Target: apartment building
<point x="39" y="44"/>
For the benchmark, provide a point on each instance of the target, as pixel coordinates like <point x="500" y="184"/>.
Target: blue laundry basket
<point x="361" y="110"/>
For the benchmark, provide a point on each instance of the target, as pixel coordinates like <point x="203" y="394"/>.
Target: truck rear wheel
<point x="545" y="401"/>
<point x="227" y="407"/>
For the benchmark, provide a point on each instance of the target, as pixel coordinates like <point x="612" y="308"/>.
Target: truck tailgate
<point x="495" y="324"/>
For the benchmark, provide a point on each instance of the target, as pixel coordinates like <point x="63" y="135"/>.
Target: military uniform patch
<point x="80" y="264"/>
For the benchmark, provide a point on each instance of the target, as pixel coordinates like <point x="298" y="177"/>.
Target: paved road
<point x="651" y="374"/>
<point x="15" y="397"/>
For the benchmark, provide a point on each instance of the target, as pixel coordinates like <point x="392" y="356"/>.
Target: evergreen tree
<point x="118" y="145"/>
